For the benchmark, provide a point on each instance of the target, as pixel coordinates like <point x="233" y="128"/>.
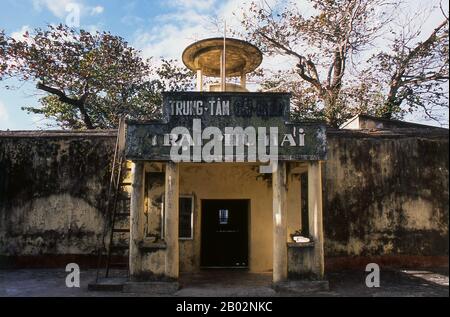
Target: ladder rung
<point x="119" y="264"/>
<point x="119" y="198"/>
<point x="121" y="230"/>
<point x="120" y="247"/>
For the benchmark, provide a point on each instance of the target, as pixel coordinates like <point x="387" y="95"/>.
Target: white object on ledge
<point x="300" y="239"/>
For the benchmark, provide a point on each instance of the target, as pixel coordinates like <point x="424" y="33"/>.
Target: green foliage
<point x="328" y="40"/>
<point x="322" y="43"/>
<point x="92" y="78"/>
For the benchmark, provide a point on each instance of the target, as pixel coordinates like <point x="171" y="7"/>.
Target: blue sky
<point x="158" y="28"/>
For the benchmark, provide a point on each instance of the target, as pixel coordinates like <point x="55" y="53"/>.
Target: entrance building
<point x="225" y="179"/>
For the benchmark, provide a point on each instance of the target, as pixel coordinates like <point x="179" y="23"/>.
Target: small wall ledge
<point x="151" y="246"/>
<point x="300" y="245"/>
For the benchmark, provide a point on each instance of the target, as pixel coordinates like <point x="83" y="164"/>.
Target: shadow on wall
<point x="52" y="192"/>
<point x="386" y="199"/>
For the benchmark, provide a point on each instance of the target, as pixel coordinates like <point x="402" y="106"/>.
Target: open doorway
<point x="224" y="241"/>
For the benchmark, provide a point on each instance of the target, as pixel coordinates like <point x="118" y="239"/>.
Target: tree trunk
<point x="78" y="103"/>
<point x="330" y="105"/>
<point x="84" y="116"/>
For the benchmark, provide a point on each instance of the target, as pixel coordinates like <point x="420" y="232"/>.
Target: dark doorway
<point x="224" y="233"/>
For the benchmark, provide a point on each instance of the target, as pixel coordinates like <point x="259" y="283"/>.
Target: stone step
<point x="302" y="286"/>
<point x="151" y="288"/>
<point x="111" y="284"/>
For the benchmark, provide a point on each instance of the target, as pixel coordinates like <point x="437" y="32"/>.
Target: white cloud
<point x="57" y="7"/>
<point x="193" y="4"/>
<point x="168" y="41"/>
<point x="189" y="23"/>
<point x="97" y="10"/>
<point x="188" y="17"/>
<point x="92" y="28"/>
<point x="61" y="8"/>
<point x="191" y="20"/>
<point x="4" y="116"/>
<point x="233" y="10"/>
<point x="18" y="35"/>
<point x="174" y="31"/>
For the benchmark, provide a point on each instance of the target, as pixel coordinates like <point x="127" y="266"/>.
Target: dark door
<point x="224" y="233"/>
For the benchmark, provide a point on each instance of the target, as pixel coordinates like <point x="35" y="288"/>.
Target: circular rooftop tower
<point x="207" y="58"/>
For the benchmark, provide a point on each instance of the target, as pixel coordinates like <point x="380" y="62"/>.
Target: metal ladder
<point x="117" y="209"/>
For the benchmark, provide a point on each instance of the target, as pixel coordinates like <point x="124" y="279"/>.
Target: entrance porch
<point x="171" y="205"/>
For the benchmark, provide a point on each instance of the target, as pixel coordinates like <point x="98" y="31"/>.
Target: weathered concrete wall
<point x="386" y="198"/>
<point x="52" y="193"/>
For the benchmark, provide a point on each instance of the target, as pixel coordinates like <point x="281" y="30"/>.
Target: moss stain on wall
<point x="383" y="195"/>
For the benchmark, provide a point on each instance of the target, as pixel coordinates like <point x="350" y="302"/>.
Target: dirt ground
<point x="51" y="283"/>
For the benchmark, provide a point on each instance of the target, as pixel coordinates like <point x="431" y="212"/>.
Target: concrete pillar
<point x="315" y="215"/>
<point x="171" y="220"/>
<point x="199" y="80"/>
<point x="279" y="223"/>
<point x="136" y="218"/>
<point x="244" y="80"/>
